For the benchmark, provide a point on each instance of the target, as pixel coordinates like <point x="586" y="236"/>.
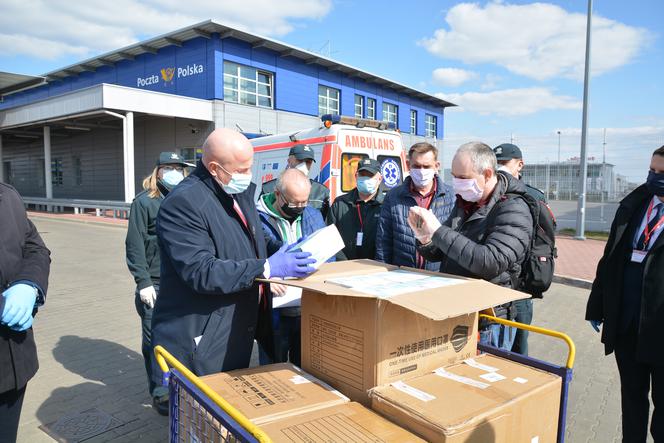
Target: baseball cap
<point x="507" y="151"/>
<point x="302" y="152"/>
<point x="369" y="164"/>
<point x="171" y="158"/>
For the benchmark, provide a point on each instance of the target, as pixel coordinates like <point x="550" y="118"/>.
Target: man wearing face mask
<point x="627" y="302"/>
<point x="395" y="242"/>
<point x="488" y="234"/>
<point x="356" y="214"/>
<point x="301" y="157"/>
<point x="510" y="161"/>
<point x="212" y="251"/>
<point x="286" y="217"/>
<point x="142" y="253"/>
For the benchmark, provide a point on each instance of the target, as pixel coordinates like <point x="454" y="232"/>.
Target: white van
<point x="339" y="144"/>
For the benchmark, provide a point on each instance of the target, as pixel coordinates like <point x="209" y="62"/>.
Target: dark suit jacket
<point x="23" y="256"/>
<point x="606" y="297"/>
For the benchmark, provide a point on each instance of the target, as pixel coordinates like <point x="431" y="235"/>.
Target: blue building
<point x="94" y="129"/>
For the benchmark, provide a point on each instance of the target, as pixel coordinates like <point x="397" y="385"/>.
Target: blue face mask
<point x="238" y="184"/>
<point x="366" y="185"/>
<point x="172" y="178"/>
<point x="655" y="183"/>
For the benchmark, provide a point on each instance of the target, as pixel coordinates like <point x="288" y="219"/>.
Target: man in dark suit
<point x="24" y="268"/>
<point x="627" y="298"/>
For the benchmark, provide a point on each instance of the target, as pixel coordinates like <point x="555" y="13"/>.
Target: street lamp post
<point x="558" y="170"/>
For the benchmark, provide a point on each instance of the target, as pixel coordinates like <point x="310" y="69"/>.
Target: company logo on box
<point x="459" y="338"/>
<point x="169" y="73"/>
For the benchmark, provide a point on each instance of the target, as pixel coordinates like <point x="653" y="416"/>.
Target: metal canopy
<point x="11" y="82"/>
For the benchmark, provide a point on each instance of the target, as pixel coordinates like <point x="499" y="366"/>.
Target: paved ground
<point x="578" y="258"/>
<point x="89" y="346"/>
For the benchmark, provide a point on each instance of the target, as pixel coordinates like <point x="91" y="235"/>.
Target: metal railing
<point x="120" y="209"/>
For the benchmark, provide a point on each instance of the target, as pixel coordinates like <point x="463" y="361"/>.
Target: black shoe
<point x="160" y="404"/>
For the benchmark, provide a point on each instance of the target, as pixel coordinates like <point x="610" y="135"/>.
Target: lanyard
<point x="359" y="215"/>
<point x="647" y="232"/>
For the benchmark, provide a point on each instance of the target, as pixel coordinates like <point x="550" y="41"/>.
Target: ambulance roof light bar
<point x="331" y="119"/>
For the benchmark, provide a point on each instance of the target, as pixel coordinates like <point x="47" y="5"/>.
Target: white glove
<point x="148" y="296"/>
<point x="423" y="222"/>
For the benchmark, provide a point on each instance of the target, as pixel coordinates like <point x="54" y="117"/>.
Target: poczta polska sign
<point x="167" y="75"/>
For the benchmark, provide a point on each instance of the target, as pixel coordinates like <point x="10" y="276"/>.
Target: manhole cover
<point x="81" y="425"/>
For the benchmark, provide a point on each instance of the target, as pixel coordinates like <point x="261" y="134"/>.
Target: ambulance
<point x="339" y="144"/>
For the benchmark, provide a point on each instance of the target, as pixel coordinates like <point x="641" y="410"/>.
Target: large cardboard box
<point x="272" y="392"/>
<point x="350" y="422"/>
<point x="485" y="399"/>
<point x="355" y="340"/>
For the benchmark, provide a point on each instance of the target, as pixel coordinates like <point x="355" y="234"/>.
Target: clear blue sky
<point x="515" y="68"/>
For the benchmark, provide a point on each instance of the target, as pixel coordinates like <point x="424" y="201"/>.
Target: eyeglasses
<point x="294" y="205"/>
<point x="173" y="168"/>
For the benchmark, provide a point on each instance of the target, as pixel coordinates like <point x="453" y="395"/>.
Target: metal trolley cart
<point x="200" y="415"/>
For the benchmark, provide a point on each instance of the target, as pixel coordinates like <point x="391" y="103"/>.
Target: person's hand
<point x="19" y="303"/>
<point x="290" y="264"/>
<point x="148" y="296"/>
<point x="423" y="222"/>
<point x="278" y="290"/>
<point x="595" y="324"/>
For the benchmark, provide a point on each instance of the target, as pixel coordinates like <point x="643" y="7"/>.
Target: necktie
<point x="641" y="244"/>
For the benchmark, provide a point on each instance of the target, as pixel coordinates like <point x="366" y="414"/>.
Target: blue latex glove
<point x="595" y="324"/>
<point x="284" y="263"/>
<point x="19" y="303"/>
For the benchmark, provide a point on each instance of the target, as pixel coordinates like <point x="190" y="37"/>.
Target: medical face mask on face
<point x="655" y="183"/>
<point x="239" y="182"/>
<point x="467" y="188"/>
<point x="291" y="211"/>
<point x="302" y="167"/>
<point x="422" y="177"/>
<point x="366" y="185"/>
<point x="504" y="168"/>
<point x="172" y="178"/>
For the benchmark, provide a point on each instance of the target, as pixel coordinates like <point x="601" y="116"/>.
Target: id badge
<point x="358" y="239"/>
<point x="638" y="256"/>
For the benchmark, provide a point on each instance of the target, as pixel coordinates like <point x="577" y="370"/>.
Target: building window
<point x="430" y="126"/>
<point x="359" y="106"/>
<point x="247" y="85"/>
<point x="390" y="112"/>
<point x="413" y="122"/>
<point x="191" y="155"/>
<point x="56" y="172"/>
<point x="328" y="100"/>
<point x="78" y="171"/>
<point x="371" y="108"/>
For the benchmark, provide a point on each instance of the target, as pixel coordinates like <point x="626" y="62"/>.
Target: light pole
<point x="583" y="165"/>
<point x="558" y="170"/>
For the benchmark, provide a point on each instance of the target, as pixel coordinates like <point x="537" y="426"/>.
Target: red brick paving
<point x="578" y="258"/>
<point x="89" y="217"/>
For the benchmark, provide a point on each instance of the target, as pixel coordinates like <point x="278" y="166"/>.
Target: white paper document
<point x="292" y="298"/>
<point x="323" y="244"/>
<point x="391" y="283"/>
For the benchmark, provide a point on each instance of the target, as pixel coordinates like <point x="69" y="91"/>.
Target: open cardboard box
<point x="356" y="341"/>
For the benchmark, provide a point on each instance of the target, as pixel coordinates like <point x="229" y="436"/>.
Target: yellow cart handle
<point x="570" y="344"/>
<point x="164" y="359"/>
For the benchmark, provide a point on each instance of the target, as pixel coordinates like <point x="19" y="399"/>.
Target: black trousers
<point x="10" y="412"/>
<point x="154" y="386"/>
<point x="636" y="379"/>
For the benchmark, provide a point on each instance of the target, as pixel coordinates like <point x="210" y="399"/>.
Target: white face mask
<point x="422" y="177"/>
<point x="302" y="167"/>
<point x="238" y="184"/>
<point x="468" y="189"/>
<point x="504" y="168"/>
<point x="172" y="177"/>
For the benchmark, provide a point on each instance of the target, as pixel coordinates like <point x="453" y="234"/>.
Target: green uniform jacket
<point x="141" y="243"/>
<point x="343" y="214"/>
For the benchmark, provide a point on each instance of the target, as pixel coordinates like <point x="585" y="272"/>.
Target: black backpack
<point x="538" y="266"/>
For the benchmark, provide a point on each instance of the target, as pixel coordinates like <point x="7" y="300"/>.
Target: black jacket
<point x="319" y="197"/>
<point x="23" y="256"/>
<point x="491" y="243"/>
<point x="141" y="246"/>
<point x="343" y="214"/>
<point x="206" y="312"/>
<point x="605" y="298"/>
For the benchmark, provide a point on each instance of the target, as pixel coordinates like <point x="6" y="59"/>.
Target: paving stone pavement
<point x="88" y="338"/>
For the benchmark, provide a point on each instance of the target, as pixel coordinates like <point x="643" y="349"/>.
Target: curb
<point x="572" y="281"/>
<point x="79" y="221"/>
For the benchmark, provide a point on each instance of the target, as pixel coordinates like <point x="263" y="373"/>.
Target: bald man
<point x="212" y="251"/>
<point x="286" y="216"/>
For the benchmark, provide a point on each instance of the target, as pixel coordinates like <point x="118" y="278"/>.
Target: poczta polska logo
<point x="169" y="74"/>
